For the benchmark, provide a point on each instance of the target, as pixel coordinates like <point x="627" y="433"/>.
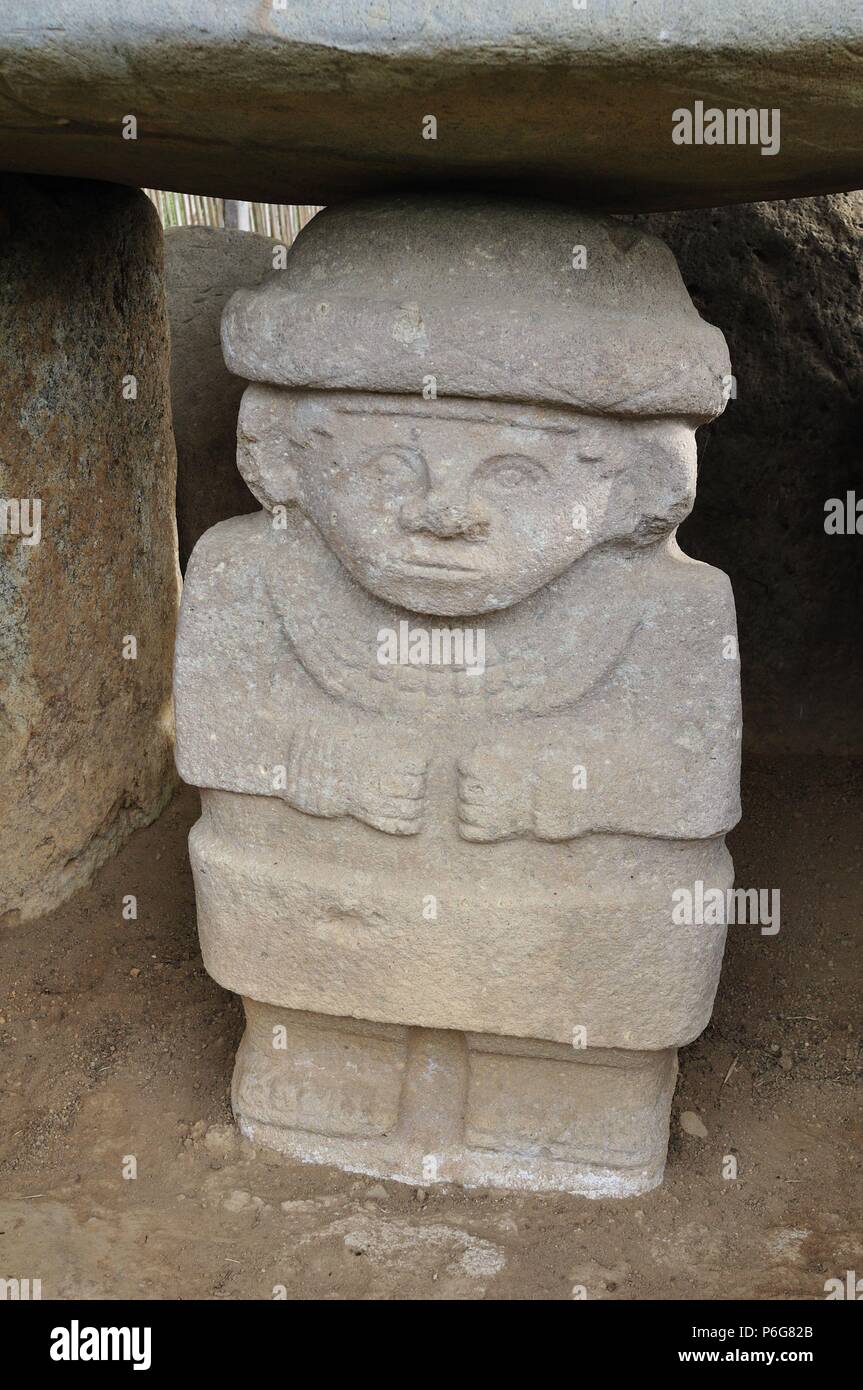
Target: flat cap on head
<point x="497" y="299"/>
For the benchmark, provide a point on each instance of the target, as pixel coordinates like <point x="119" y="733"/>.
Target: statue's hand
<point x="493" y="793"/>
<point x="389" y="790"/>
<point x="340" y="773"/>
<point x="522" y="787"/>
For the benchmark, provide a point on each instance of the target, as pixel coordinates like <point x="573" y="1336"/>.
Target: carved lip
<point x="445" y="565"/>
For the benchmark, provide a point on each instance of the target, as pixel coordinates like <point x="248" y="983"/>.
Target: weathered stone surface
<point x="774" y="274"/>
<point x="203" y="268"/>
<point x="85" y="735"/>
<point x="555" y="99"/>
<point x="783" y="282"/>
<point x="354" y="308"/>
<point x="428" y="1107"/>
<point x="471" y="848"/>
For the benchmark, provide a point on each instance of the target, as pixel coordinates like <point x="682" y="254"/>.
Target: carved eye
<point x="395" y="465"/>
<point x="509" y="472"/>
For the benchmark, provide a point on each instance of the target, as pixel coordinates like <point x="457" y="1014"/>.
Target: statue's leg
<point x="311" y="1074"/>
<point x="544" y="1116"/>
<point x="429" y="1105"/>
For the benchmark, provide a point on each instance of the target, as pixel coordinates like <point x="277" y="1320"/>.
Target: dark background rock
<point x="783" y="282"/>
<point x="85" y="736"/>
<point x="203" y="267"/>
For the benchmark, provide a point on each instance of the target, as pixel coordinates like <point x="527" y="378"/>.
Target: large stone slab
<point x="309" y="103"/>
<point x="203" y="267"/>
<point x="86" y="446"/>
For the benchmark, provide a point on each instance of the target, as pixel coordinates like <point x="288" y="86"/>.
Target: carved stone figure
<point x="463" y="715"/>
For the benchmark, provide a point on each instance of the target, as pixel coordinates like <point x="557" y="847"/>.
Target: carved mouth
<point x="446" y="566"/>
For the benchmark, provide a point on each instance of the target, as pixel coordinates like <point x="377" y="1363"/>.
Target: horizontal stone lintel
<point x="313" y="104"/>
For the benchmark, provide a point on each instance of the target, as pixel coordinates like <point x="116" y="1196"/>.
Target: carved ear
<point x="656" y="491"/>
<point x="266" y="447"/>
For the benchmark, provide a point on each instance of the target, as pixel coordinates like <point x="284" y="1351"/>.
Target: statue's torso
<point x="432" y="926"/>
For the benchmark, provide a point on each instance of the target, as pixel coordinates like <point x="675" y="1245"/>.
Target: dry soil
<point x="116" y="1045"/>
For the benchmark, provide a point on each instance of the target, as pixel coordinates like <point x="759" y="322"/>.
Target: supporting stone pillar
<point x="465" y="719"/>
<point x="88" y="567"/>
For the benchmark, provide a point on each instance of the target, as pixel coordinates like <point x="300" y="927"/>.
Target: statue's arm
<point x="250" y="719"/>
<point x="342" y="762"/>
<point x="655" y="751"/>
<point x="578" y="784"/>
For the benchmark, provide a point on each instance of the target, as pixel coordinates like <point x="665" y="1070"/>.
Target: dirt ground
<point x="115" y="1043"/>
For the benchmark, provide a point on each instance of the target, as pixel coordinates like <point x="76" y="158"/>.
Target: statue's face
<point x="457" y="507"/>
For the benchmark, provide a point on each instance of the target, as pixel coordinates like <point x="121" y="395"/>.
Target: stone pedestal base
<point x="426" y="1106"/>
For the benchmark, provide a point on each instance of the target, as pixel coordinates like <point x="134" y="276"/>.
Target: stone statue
<point x="463" y="715"/>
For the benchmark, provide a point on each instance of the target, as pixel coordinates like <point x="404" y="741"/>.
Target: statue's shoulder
<point x="683" y="645"/>
<point x="224" y="607"/>
<point x="693" y="595"/>
<point x="227" y="558"/>
<point x="687" y="639"/>
<point x="227" y="726"/>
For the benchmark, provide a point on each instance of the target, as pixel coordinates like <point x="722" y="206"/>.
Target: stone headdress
<point x="495" y="299"/>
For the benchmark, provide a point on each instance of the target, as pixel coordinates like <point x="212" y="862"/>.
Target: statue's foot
<point x="427" y="1106"/>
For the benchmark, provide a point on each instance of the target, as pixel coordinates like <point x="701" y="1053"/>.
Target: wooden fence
<point x="278" y="220"/>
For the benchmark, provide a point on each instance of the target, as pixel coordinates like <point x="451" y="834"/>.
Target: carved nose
<point x="444" y="517"/>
